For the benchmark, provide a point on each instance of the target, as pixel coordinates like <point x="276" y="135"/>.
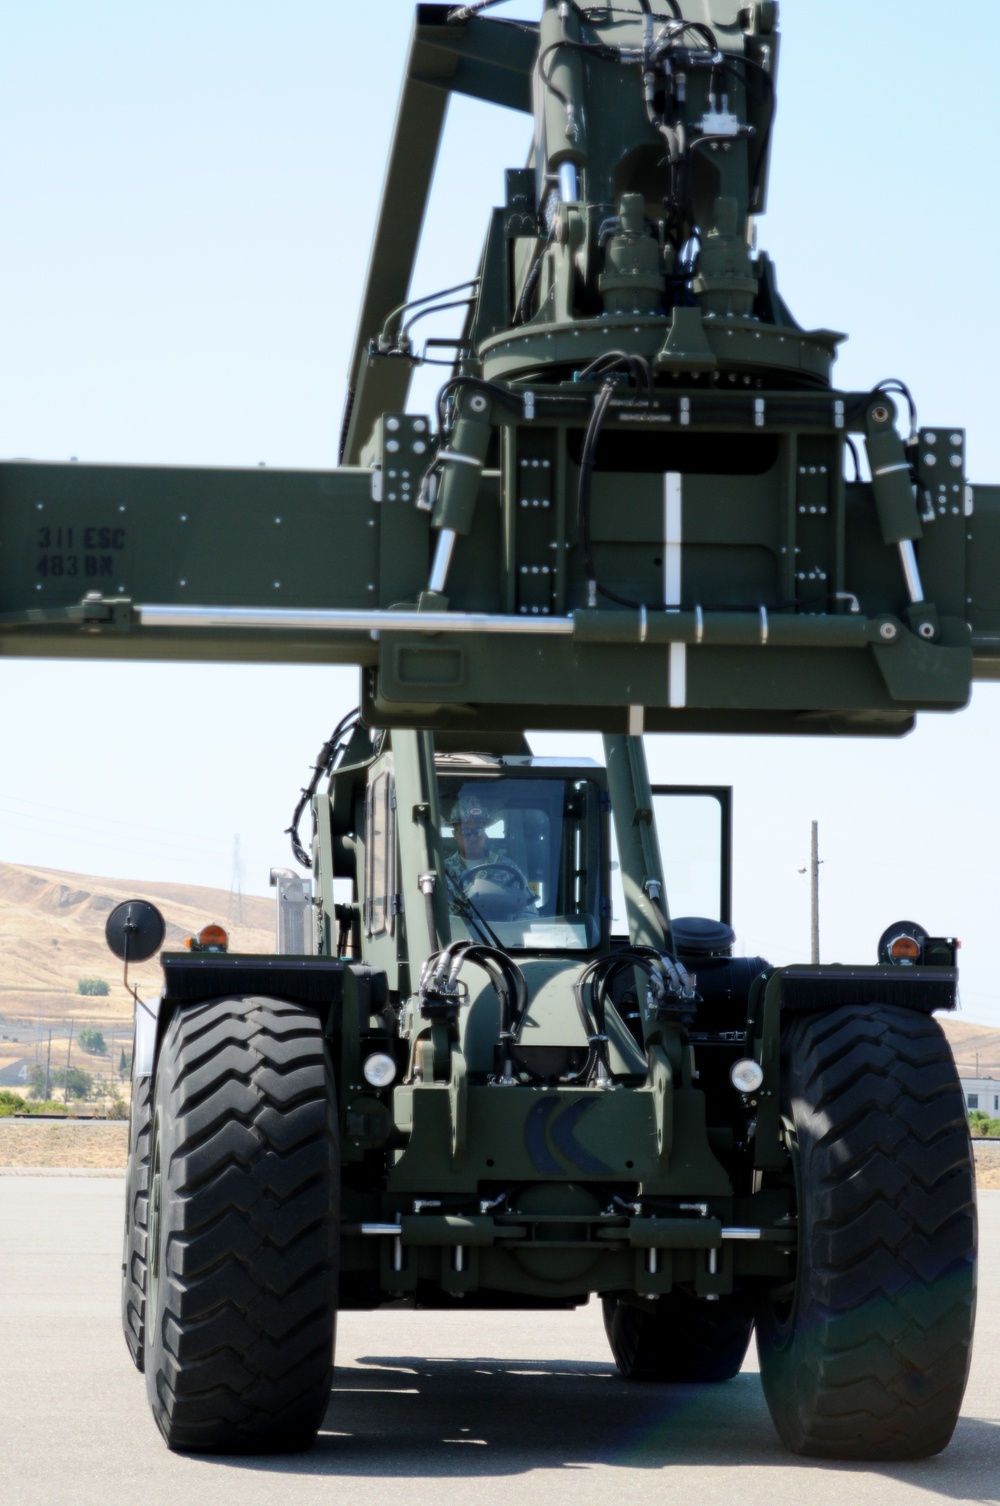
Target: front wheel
<point x="243" y="1229"/>
<point x="866" y="1354"/>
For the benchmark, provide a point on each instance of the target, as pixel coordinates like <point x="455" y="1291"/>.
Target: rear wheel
<point x="679" y="1338"/>
<point x="134" y="1273"/>
<point x="244" y="1236"/>
<point x="866" y="1355"/>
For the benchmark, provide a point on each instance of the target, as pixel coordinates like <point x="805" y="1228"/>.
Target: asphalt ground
<point x="426" y="1408"/>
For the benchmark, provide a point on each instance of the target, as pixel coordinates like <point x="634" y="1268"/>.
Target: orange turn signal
<point x="904" y="949"/>
<point x="213" y="936"/>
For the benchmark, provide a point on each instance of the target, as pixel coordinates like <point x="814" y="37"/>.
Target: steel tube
<point x="720" y="629"/>
<point x="442" y="560"/>
<point x="307" y="620"/>
<point x="911" y="571"/>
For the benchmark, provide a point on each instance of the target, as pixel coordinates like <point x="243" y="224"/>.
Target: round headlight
<point x="380" y="1070"/>
<point x="746" y="1076"/>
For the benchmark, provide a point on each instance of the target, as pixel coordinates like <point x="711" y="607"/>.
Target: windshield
<point x="523" y="860"/>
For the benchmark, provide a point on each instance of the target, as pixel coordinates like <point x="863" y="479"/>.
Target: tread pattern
<point x="241" y="1343"/>
<point x="678" y="1338"/>
<point x="136" y="1214"/>
<point x="871" y="1359"/>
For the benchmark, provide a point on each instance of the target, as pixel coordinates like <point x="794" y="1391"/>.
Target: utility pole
<point x="814" y="884"/>
<point x="235" y="914"/>
<point x="48" y="1070"/>
<point x="813" y="871"/>
<point x="69" y="1049"/>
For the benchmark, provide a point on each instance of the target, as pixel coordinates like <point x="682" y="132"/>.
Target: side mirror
<point x="135" y="931"/>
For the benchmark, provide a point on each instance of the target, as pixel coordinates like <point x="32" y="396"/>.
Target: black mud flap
<point x="193" y="978"/>
<point x="923" y="989"/>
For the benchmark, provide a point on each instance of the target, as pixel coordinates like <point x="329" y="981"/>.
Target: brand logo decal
<point x="551" y="1125"/>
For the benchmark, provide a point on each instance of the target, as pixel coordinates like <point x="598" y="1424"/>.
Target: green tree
<point x="982" y="1126"/>
<point x="11" y="1103"/>
<point x="92" y="1041"/>
<point x="125" y="1065"/>
<point x="74" y="1081"/>
<point x="95" y="986"/>
<point x="36" y="1081"/>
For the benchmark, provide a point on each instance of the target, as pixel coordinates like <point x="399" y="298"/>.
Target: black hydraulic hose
<point x="434" y="308"/>
<point x="324" y="765"/>
<point x="638" y="367"/>
<point x="586" y="486"/>
<point x="466" y="12"/>
<point x="475" y="384"/>
<point x="756" y="69"/>
<point x="528" y="293"/>
<point x="415" y="303"/>
<point x="892" y="386"/>
<point x="587" y="462"/>
<point x="593" y="1020"/>
<point x="511" y="989"/>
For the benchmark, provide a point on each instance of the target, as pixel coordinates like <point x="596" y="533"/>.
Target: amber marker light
<point x="213" y="937"/>
<point x="904" y="949"/>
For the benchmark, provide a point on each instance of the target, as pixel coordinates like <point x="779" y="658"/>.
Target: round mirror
<point x="135" y="930"/>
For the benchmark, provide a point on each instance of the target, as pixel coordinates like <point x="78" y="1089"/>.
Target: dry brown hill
<point x="976" y="1047"/>
<point x="52" y="935"/>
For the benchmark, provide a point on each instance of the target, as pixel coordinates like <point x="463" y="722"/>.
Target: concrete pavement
<point x="427" y="1408"/>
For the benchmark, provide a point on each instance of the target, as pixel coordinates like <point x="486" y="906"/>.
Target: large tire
<point x="244" y="1229"/>
<point x="867" y="1355"/>
<point x="136" y="1213"/>
<point x="679" y="1339"/>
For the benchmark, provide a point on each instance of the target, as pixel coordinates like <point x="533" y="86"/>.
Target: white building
<point x="982" y="1093"/>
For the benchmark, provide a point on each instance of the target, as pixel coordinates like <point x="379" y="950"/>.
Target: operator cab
<point x="524" y="842"/>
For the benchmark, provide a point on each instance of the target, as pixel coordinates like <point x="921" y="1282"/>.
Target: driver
<point x="494" y="883"/>
<point x="469" y="820"/>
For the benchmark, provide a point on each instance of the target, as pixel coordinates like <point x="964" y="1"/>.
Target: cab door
<point x="694" y="824"/>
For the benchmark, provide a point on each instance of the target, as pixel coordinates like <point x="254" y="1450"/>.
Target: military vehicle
<point x="641" y="505"/>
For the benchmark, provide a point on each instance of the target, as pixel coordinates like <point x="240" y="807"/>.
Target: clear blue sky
<point x="187" y="196"/>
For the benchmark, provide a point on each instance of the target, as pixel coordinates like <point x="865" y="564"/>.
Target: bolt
<point x="888" y="631"/>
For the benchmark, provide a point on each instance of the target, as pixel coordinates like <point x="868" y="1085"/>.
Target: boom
<point x="640" y="477"/>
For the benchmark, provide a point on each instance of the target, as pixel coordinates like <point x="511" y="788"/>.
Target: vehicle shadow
<point x="403" y="1417"/>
